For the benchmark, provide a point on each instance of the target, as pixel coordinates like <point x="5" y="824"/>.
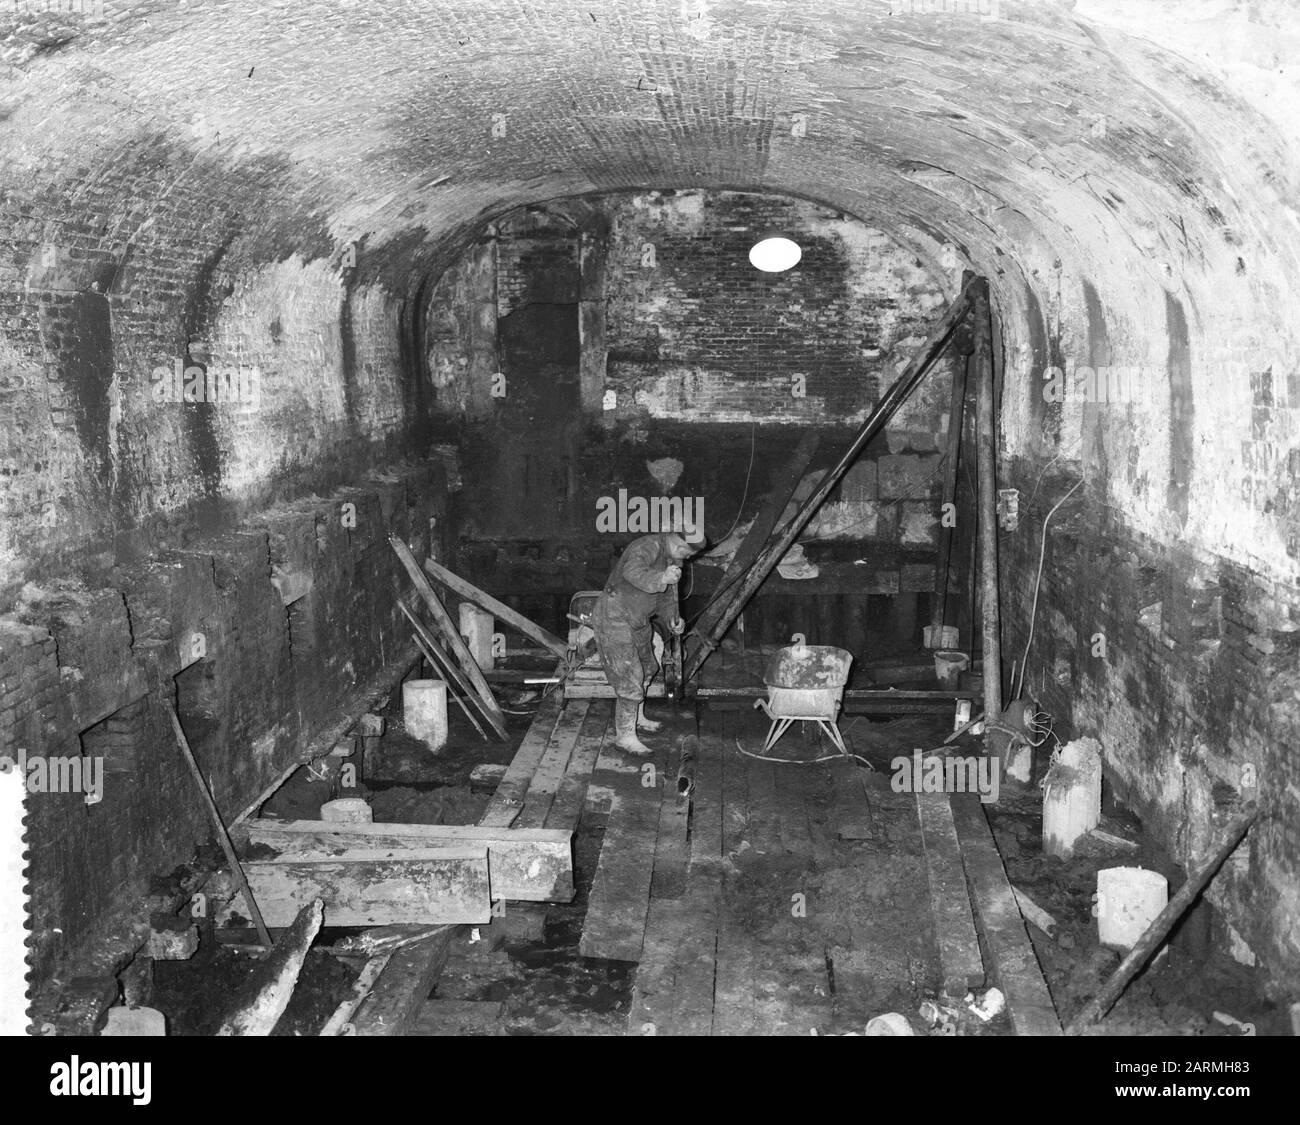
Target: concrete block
<point x="135" y="1022"/>
<point x="173" y="945"/>
<point x="347" y="810"/>
<point x="918" y="524"/>
<point x="917" y="578"/>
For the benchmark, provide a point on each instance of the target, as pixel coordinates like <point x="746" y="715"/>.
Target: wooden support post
<point x="988" y="518"/>
<point x="952" y="457"/>
<point x="775" y="549"/>
<point x="223" y="836"/>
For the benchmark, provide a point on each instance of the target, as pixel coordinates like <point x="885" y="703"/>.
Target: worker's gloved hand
<point x="678" y="626"/>
<point x="672" y="574"/>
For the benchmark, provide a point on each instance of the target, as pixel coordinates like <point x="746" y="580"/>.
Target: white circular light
<point x="775" y="255"/>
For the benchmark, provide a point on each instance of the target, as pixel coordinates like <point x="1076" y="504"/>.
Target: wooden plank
<point x="675" y="980"/>
<point x="498" y="609"/>
<point x="261" y="1002"/>
<point x="696" y="954"/>
<point x="706" y="806"/>
<point x="508" y="801"/>
<point x="653" y="994"/>
<point x="452" y="636"/>
<point x="527" y="864"/>
<point x="954" y="925"/>
<point x="694" y="982"/>
<point x="403" y="987"/>
<point x="956" y="419"/>
<point x="610" y="761"/>
<point x="553" y="765"/>
<point x="442" y="664"/>
<point x="374" y="887"/>
<point x="455" y="690"/>
<point x="572" y="791"/>
<point x="671" y="850"/>
<point x="614" y="928"/>
<point x="733" y="986"/>
<point x="460" y="1018"/>
<point x="1014" y="965"/>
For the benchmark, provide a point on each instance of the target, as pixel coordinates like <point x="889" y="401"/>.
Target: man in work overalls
<point x="642" y="585"/>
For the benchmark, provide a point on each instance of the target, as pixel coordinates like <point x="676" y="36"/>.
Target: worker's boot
<point x="650" y="726"/>
<point x="625" y="712"/>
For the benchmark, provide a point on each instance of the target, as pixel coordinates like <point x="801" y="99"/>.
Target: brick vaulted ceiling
<point x="1085" y="154"/>
<point x="1073" y="124"/>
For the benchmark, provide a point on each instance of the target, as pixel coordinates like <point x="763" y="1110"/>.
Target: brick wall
<point x="95" y="302"/>
<point x="266" y="630"/>
<point x="693" y="329"/>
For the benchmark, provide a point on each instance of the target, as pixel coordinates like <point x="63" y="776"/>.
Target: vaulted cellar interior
<point x="293" y="294"/>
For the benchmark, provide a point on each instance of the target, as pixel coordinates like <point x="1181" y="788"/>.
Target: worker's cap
<point x="680" y="547"/>
<point x="683" y="517"/>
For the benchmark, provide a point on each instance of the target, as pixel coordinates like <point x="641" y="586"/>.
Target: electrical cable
<point x="1038" y="581"/>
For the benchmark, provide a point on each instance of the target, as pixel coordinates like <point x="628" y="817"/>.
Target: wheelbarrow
<point x="805" y="683"/>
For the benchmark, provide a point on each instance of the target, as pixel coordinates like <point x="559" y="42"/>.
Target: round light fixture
<point x="775" y="254"/>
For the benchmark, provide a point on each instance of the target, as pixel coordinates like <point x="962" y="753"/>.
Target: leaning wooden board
<point x="462" y="654"/>
<point x="375" y="887"/>
<point x="499" y="609"/>
<point x="524" y="864"/>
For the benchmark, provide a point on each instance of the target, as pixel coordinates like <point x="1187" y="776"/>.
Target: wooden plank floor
<point x="793" y="899"/>
<point x="772" y="889"/>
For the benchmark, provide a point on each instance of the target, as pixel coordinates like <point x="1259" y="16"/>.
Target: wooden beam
<point x="956" y="423"/>
<point x="403" y="987"/>
<point x="987" y="443"/>
<point x="1154" y="935"/>
<point x="262" y="1001"/>
<point x="572" y="791"/>
<point x="1015" y="967"/>
<point x="441" y="665"/>
<point x="553" y="765"/>
<point x="223" y="835"/>
<point x="954" y="925"/>
<point x="373" y="887"/>
<point x="524" y="864"/>
<point x="783" y="489"/>
<point x="457" y="646"/>
<point x="500" y="610"/>
<point x="614" y="928"/>
<point x="772" y="553"/>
